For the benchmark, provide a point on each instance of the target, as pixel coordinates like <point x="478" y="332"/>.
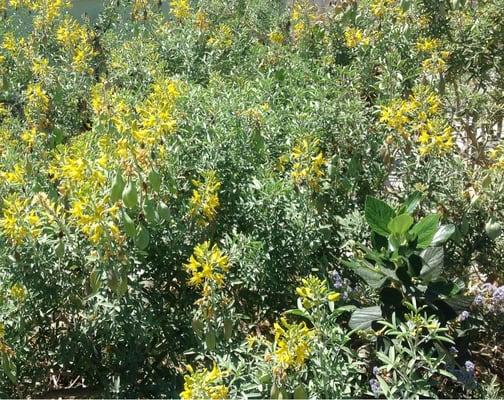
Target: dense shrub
<point x="252" y="199"/>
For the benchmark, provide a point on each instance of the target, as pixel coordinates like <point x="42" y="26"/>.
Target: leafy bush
<point x="186" y="192"/>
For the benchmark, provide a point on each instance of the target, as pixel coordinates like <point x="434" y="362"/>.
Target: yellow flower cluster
<point x="37" y="103"/>
<point x="77" y="40"/>
<point x="17" y="292"/>
<point x="201" y="21"/>
<point x="205" y="198"/>
<point x="436" y="62"/>
<point x="355" y="37"/>
<point x="156" y="113"/>
<point x="18" y="222"/>
<point x="380" y="7"/>
<point x="427" y="45"/>
<point x="314" y="292"/>
<point x="276" y="37"/>
<point x="496" y="156"/>
<point x="180" y="9"/>
<point x="308" y="163"/>
<point x="303" y="15"/>
<point x="81" y="179"/>
<point x="16" y="176"/>
<point x="222" y="38"/>
<point x="204" y="384"/>
<point x="420" y="115"/>
<point x="292" y="346"/>
<point x="47" y="10"/>
<point x="207" y="266"/>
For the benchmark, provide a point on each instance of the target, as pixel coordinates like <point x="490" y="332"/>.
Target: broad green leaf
<point x="362" y="318"/>
<point x="425" y="229"/>
<point x="433" y="263"/>
<point x="372" y="276"/>
<point x="443" y="234"/>
<point x="378" y="215"/>
<point x="399" y="225"/>
<point x="412" y="202"/>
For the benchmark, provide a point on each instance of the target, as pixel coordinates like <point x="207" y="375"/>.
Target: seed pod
<point x="142" y="237"/>
<point x="117" y="187"/>
<point x="228" y="329"/>
<point x="154" y="180"/>
<point x="211" y="340"/>
<point x="274" y="392"/>
<point x="163" y="210"/>
<point x="197" y="326"/>
<point x="299" y="392"/>
<point x="129" y="225"/>
<point x="94" y="282"/>
<point x="493" y="229"/>
<point x="59" y="250"/>
<point x="130" y="195"/>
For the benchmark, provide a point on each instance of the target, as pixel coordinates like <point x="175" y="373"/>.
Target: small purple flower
<point x="469" y="366"/>
<point x="337" y="279"/>
<point x="478" y="300"/>
<point x="463" y="315"/>
<point x="375" y="386"/>
<point x="375" y="370"/>
<point x="453" y="350"/>
<point x="498" y="295"/>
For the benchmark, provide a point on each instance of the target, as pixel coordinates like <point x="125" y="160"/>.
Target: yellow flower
<point x="207" y="266"/>
<point x="16" y="176"/>
<point x="12" y="221"/>
<point x="380" y="7"/>
<point x="201" y="21"/>
<point x="314" y="292"/>
<point x="421" y="115"/>
<point x="355" y="37"/>
<point x="307" y="163"/>
<point x="18" y="292"/>
<point x="37" y="101"/>
<point x="427" y="45"/>
<point x="205" y="200"/>
<point x="180" y="9"/>
<point x="276" y="37"/>
<point x="222" y="39"/>
<point x="204" y="384"/>
<point x="40" y="67"/>
<point x="292" y="345"/>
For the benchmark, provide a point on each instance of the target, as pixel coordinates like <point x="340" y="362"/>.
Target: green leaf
<point x="9" y="368"/>
<point x="371" y="275"/>
<point x="378" y="215"/>
<point x="299" y="313"/>
<point x="443" y="234"/>
<point x="362" y="318"/>
<point x="412" y="202"/>
<point x="425" y="229"/>
<point x="400" y="224"/>
<point x="433" y="263"/>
